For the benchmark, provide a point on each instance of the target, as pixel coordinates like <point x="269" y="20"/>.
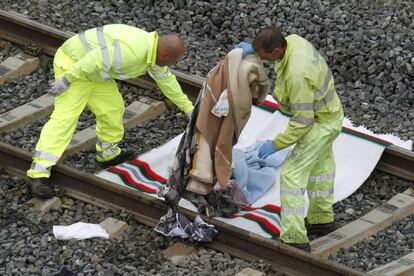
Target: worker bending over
<point x="86" y="67"/>
<point x="305" y="89"/>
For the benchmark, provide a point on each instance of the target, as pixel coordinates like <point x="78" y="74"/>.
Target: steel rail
<point x="240" y="242"/>
<point x="13" y="27"/>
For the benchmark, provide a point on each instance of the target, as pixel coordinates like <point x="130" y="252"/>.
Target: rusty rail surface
<point x="397" y="161"/>
<point x="231" y="239"/>
<point x="13" y="27"/>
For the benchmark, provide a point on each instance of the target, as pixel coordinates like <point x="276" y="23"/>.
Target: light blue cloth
<point x="255" y="175"/>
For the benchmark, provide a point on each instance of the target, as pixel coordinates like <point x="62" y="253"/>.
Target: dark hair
<point x="268" y="39"/>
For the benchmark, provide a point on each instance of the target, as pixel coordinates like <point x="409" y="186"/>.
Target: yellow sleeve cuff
<point x="279" y="145"/>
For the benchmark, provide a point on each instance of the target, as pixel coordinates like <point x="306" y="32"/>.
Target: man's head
<point x="170" y="49"/>
<point x="270" y="44"/>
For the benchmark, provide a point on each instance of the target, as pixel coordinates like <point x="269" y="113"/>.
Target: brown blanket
<point x="245" y="81"/>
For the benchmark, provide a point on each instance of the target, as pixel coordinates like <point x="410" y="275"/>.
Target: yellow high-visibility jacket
<point x="119" y="51"/>
<point x="305" y="89"/>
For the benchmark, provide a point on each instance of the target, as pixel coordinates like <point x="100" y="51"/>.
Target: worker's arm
<point x="90" y="66"/>
<point x="170" y="87"/>
<point x="301" y="107"/>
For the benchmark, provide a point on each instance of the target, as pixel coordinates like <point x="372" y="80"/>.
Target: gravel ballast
<point x="24" y="89"/>
<point x="29" y="247"/>
<point x="384" y="247"/>
<point x="367" y="45"/>
<point x="8" y="49"/>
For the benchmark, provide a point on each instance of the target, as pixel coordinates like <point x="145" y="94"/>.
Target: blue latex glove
<point x="267" y="149"/>
<point x="246" y="47"/>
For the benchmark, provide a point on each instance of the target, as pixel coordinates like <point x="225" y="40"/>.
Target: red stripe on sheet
<point x="269" y="208"/>
<point x="148" y="169"/>
<point x="132" y="182"/>
<point x="364" y="135"/>
<point x="265" y="222"/>
<point x="271" y="104"/>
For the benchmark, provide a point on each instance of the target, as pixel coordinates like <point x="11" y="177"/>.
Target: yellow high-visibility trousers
<point x="311" y="167"/>
<point x="102" y="98"/>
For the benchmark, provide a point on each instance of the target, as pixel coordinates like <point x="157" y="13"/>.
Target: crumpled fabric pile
<point x="255" y="175"/>
<point x="177" y="225"/>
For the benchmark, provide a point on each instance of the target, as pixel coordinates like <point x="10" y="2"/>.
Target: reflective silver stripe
<point x="104" y="145"/>
<point x="322" y="177"/>
<point x="301" y="106"/>
<point x="40" y="168"/>
<point x="325" y="85"/>
<point x="105" y="53"/>
<point x="107" y="146"/>
<point x="47" y="156"/>
<point x="159" y="76"/>
<point x="325" y="100"/>
<point x="156" y="67"/>
<point x="118" y="60"/>
<point x="293" y="211"/>
<point x="328" y="76"/>
<point x="313" y="106"/>
<point x="320" y="193"/>
<point x="108" y="152"/>
<point x="292" y="192"/>
<point x="105" y="75"/>
<point x="302" y="120"/>
<point x="85" y="42"/>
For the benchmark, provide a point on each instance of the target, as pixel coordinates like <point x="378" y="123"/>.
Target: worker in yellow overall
<point x="305" y="90"/>
<point x="86" y="67"/>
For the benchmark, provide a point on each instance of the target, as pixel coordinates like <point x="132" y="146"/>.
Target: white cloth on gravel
<point x="79" y="231"/>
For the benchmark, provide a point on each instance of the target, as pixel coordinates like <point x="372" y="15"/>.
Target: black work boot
<point x="42" y="187"/>
<point x="320" y="229"/>
<point x="302" y="246"/>
<point x="125" y="155"/>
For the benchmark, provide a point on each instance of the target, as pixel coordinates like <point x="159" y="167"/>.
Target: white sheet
<point x="355" y="157"/>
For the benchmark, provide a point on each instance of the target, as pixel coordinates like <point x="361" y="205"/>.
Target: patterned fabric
<point x="179" y="174"/>
<point x="138" y="175"/>
<point x="177" y="225"/>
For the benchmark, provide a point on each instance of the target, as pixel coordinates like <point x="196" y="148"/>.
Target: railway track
<point x="240" y="243"/>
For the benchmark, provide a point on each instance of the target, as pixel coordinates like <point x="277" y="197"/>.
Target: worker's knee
<point x="63" y="119"/>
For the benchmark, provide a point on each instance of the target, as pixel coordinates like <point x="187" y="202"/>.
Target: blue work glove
<point x="267" y="149"/>
<point x="246" y="47"/>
